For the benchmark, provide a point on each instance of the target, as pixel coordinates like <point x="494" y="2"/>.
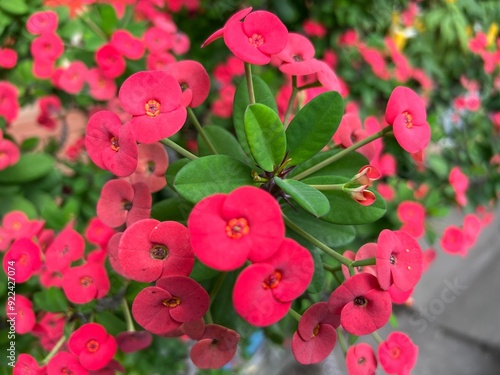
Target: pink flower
<point x="361" y="360"/>
<point x="314" y="28"/>
<point x="478" y="43"/>
<point x="128" y="45"/>
<point x="97" y="232"/>
<point x="174" y="300"/>
<point x="110" y="62"/>
<point x="264" y="291"/>
<point x="157" y="40"/>
<point x="216" y="347"/>
<point x="129" y="342"/>
<point x="255" y="39"/>
<point x="48" y="46"/>
<point x="399" y="260"/>
<point x="8" y="58"/>
<point x="315" y="337"/>
<point x="84" y="283"/>
<point x="297" y="58"/>
<point x="367" y="251"/>
<point x="25" y="317"/>
<point x="73" y="77"/>
<point x="453" y="241"/>
<point x="65" y="362"/>
<point x="101" y="87"/>
<point x="159" y="61"/>
<point x="460" y="183"/>
<point x="406" y="113"/>
<point x="193" y="80"/>
<point x="93" y="346"/>
<point x="351" y="131"/>
<point x="9" y="153"/>
<point x="153" y="98"/>
<point x="111" y="145"/>
<point x="226" y="230"/>
<point x="42" y="22"/>
<point x="359" y="305"/>
<point x="66" y="248"/>
<point x="398" y="354"/>
<point x="412" y="215"/>
<point x="27" y="365"/>
<point x="471" y="229"/>
<point x="24" y="258"/>
<point x="9" y="105"/>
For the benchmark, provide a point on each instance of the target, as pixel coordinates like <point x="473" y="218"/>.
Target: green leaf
<point x="352" y="339"/>
<point x="111" y="322"/>
<point x="310" y="199"/>
<point x="17" y="7"/>
<point x="224" y="142"/>
<point x="173" y="169"/>
<point x="344" y="209"/>
<point x="347" y="166"/>
<point x="18" y="203"/>
<point x="330" y="234"/>
<point x="313" y="126"/>
<point x="29" y="144"/>
<point x="210" y="175"/>
<point x="393" y="321"/>
<point x="438" y="165"/>
<point x="171" y="209"/>
<point x="52" y="299"/>
<point x="201" y="272"/>
<point x="108" y="17"/>
<point x="265" y="135"/>
<point x="29" y="167"/>
<point x="263" y="95"/>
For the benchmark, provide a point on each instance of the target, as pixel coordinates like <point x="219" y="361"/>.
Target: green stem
<point x="364" y="262"/>
<point x="94" y="27"/>
<point x="328" y="187"/>
<point x="317" y="243"/>
<point x="289" y="108"/>
<point x="295" y="314"/>
<point x="342" y="153"/>
<point x="181" y="150"/>
<point x="208" y="315"/>
<point x="248" y="74"/>
<point x="218" y="284"/>
<point x="201" y="131"/>
<point x="342" y="342"/>
<point x="377" y="337"/>
<point x="310" y="86"/>
<point x="128" y="317"/>
<point x="332" y="269"/>
<point x="56" y="347"/>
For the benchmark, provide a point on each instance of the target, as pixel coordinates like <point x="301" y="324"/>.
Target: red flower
<point x="113" y="254"/>
<point x="8" y="58"/>
<point x="126" y="44"/>
<point x="85" y="283"/>
<point x="471" y="228"/>
<point x="151" y="166"/>
<point x="149" y="250"/>
<point x="254" y="40"/>
<point x="368" y="250"/>
<point x="297" y="58"/>
<point x="48" y="47"/>
<point x="398" y="354"/>
<point x="24" y="258"/>
<point x="129" y="342"/>
<point x="264" y="291"/>
<point x="110" y="61"/>
<point x="399" y="260"/>
<point x="361" y="360"/>
<point x="25" y="318"/>
<point x="360" y="305"/>
<point x="120" y="203"/>
<point x="173" y="301"/>
<point x="315" y="337"/>
<point x="9" y="153"/>
<point x="157" y="40"/>
<point x="42" y="22"/>
<point x="453" y="241"/>
<point x="159" y="61"/>
<point x="216" y="347"/>
<point x="101" y="87"/>
<point x="193" y="80"/>
<point x="9" y="105"/>
<point x="111" y="145"/>
<point x="412" y="215"/>
<point x="99" y="233"/>
<point x="73" y="77"/>
<point x="406" y="113"/>
<point x="460" y="183"/>
<point x="314" y="28"/>
<point x="27" y="365"/>
<point x="67" y="247"/>
<point x="65" y="363"/>
<point x="350" y="131"/>
<point x="154" y="100"/>
<point x="93" y="346"/>
<point x="226" y="230"/>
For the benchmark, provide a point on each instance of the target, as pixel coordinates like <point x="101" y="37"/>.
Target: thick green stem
<point x="248" y="74"/>
<point x="332" y="269"/>
<point x="181" y="150"/>
<point x="364" y="262"/>
<point x="342" y="342"/>
<point x="128" y="317"/>
<point x="295" y="314"/>
<point x="342" y="153"/>
<point x="201" y="131"/>
<point x="310" y="86"/>
<point x="377" y="337"/>
<point x="328" y="187"/>
<point x="293" y="95"/>
<point x="56" y="347"/>
<point x="316" y="242"/>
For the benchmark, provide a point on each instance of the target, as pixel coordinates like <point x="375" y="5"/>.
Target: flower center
<point x="408" y="119"/>
<point x="86" y="281"/>
<point x="92" y="346"/>
<point x="272" y="280"/>
<point x="151" y="166"/>
<point x="256" y="40"/>
<point x="152" y="108"/>
<point x="237" y="228"/>
<point x="23" y="260"/>
<point x="392" y="259"/>
<point x="184" y="86"/>
<point x="16" y="225"/>
<point x="395" y="352"/>
<point x="297" y="58"/>
<point x="158" y="252"/>
<point x="66" y="371"/>
<point x="315" y="331"/>
<point x="114" y="144"/>
<point x="361" y="360"/>
<point x="360" y="301"/>
<point x="172" y="302"/>
<point x="127" y="205"/>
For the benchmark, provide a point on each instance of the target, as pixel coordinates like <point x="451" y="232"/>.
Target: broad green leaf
<point x="347" y="166"/>
<point x="438" y="165"/>
<point x="265" y="135"/>
<point x="352" y="339"/>
<point x="18" y="203"/>
<point x="201" y="272"/>
<point x="52" y="299"/>
<point x="29" y="167"/>
<point x="310" y="199"/>
<point x="224" y="142"/>
<point x="173" y="169"/>
<point x="263" y="95"/>
<point x="393" y="321"/>
<point x="210" y="175"/>
<point x="330" y="234"/>
<point x="344" y="209"/>
<point x="111" y="322"/>
<point x="313" y="126"/>
<point x="16" y="7"/>
<point x="171" y="209"/>
<point x="108" y="18"/>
